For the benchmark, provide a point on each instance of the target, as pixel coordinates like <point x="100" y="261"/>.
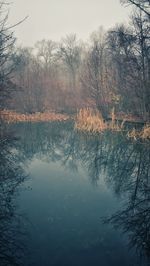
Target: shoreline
<point x="12" y="117"/>
<point x="85" y="120"/>
<point x="92" y="121"/>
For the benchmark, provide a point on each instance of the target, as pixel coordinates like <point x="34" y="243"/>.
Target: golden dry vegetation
<point x="144" y="133"/>
<point x="11" y="116"/>
<point x="91" y="120"/>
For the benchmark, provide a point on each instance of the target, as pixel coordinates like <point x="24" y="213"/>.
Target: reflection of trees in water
<point x="130" y="174"/>
<point x="124" y="164"/>
<point x="11" y="177"/>
<point x="59" y="142"/>
<point x="113" y="154"/>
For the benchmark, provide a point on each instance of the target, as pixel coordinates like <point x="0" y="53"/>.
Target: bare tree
<point x="130" y="52"/>
<point x="143" y="5"/>
<point x="7" y="41"/>
<point x="94" y="71"/>
<point x="46" y="52"/>
<point x="69" y="52"/>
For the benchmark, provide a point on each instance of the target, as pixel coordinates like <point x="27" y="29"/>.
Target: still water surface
<point x="71" y="199"/>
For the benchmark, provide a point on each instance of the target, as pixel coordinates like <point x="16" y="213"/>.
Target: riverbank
<point x="87" y="120"/>
<point x="90" y="120"/>
<point x="11" y="116"/>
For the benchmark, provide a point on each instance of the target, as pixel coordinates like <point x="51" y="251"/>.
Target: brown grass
<point x="92" y="121"/>
<point x="144" y="133"/>
<point x="89" y="120"/>
<point x="11" y="116"/>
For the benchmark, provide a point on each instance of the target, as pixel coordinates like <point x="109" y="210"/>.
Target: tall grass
<point x="12" y="116"/>
<point x="144" y="133"/>
<point x="91" y="120"/>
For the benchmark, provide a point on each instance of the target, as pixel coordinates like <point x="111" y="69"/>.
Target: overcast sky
<point x="53" y="19"/>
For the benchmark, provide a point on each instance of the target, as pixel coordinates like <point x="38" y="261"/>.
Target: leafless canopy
<point x="143" y="5"/>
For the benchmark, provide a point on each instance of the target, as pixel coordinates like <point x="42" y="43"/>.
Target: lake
<point x="72" y="199"/>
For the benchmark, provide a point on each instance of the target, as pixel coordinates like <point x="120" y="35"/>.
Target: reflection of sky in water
<point x="73" y="182"/>
<point x="65" y="211"/>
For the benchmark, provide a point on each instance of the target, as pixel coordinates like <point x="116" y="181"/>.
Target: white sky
<point x="53" y="19"/>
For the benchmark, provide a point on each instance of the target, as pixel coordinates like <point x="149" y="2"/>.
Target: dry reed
<point x="92" y="121"/>
<point x="11" y="116"/>
<point x="144" y="133"/>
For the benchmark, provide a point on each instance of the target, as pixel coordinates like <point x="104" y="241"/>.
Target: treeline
<point x="111" y="70"/>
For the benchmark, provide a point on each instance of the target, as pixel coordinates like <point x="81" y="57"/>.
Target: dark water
<point x="68" y="199"/>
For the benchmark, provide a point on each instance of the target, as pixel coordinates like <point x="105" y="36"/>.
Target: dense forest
<point x="111" y="70"/>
